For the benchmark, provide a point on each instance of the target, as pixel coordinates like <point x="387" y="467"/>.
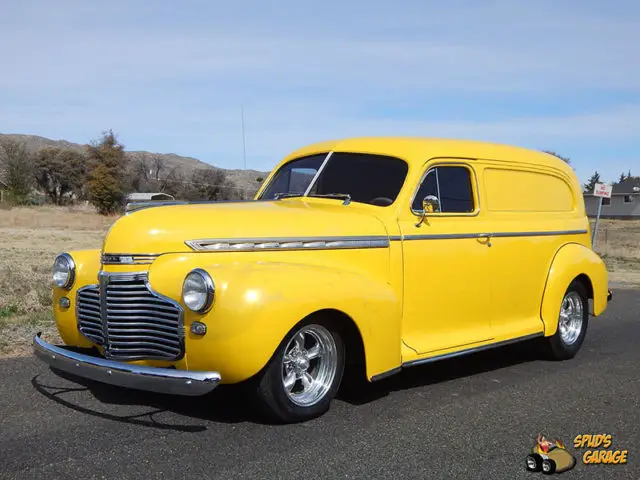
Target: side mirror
<point x="430" y="204"/>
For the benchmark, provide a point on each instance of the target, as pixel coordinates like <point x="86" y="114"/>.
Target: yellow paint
<point x="412" y="300"/>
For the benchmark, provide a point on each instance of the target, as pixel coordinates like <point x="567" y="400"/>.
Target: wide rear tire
<point x="572" y="323"/>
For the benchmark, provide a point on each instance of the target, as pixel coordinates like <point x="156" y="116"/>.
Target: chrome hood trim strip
<point x="294" y="243"/>
<point x="128" y="258"/>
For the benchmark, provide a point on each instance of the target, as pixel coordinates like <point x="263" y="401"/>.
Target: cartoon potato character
<point x="549" y="457"/>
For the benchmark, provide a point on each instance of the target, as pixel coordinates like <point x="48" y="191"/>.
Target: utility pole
<point x="244" y="143"/>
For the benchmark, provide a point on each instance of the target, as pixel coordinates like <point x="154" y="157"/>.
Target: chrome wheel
<point x="571" y="317"/>
<point x="309" y="365"/>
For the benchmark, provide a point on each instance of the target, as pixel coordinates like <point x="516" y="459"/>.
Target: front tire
<point x="534" y="462"/>
<point x="304" y="374"/>
<point x="572" y="323"/>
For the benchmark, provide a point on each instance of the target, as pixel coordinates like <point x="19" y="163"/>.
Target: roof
<point x="415" y="150"/>
<point x="149" y="196"/>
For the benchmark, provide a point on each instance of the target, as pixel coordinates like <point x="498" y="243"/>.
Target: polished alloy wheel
<point x="571" y="316"/>
<point x="309" y="365"/>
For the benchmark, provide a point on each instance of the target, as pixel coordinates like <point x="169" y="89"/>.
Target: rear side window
<point x="449" y="187"/>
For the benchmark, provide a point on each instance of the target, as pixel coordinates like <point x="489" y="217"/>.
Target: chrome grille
<point x="135" y="322"/>
<point x="88" y="314"/>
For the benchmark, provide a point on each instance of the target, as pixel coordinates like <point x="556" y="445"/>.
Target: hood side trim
<point x="292" y="243"/>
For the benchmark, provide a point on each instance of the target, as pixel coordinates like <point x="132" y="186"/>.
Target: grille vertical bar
<point x="129" y="320"/>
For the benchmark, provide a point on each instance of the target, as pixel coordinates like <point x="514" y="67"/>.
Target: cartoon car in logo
<point x="549" y="457"/>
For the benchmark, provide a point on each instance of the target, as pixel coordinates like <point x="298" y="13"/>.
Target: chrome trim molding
<point x="448" y="236"/>
<point x="471" y="350"/>
<point x="299" y="243"/>
<point x="330" y="243"/>
<point x="315" y="177"/>
<point x="128" y="258"/>
<point x="153" y="379"/>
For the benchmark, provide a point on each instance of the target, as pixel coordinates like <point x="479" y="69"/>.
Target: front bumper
<point x="161" y="380"/>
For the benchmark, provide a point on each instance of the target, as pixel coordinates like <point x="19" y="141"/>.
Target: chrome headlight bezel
<point x="207" y="290"/>
<point x="69" y="270"/>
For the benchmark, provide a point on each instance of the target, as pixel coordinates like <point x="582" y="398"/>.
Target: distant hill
<point x="245" y="179"/>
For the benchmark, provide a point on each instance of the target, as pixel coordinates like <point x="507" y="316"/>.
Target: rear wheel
<point x="304" y="374"/>
<point x="572" y="323"/>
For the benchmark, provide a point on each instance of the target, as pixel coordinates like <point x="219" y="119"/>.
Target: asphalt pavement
<point x="470" y="417"/>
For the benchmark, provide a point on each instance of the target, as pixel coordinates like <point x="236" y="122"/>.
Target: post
<point x="244" y="144"/>
<point x="595" y="228"/>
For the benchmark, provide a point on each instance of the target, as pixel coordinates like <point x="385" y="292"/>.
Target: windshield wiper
<point x="344" y="196"/>
<point x="280" y="195"/>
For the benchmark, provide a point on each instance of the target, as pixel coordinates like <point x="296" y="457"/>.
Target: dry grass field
<point x="32" y="237"/>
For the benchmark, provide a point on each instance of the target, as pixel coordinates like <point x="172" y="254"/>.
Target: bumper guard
<point x="153" y="379"/>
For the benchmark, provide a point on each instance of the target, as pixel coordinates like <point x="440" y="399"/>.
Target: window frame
<point x="267" y="186"/>
<point x="606" y="199"/>
<point x="473" y="178"/>
<point x="624" y="198"/>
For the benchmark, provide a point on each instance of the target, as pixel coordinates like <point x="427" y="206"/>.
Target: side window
<point x="450" y="186"/>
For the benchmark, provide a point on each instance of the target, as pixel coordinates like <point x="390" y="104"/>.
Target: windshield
<point x="366" y="178"/>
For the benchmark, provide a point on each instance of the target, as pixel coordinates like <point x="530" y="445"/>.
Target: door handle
<point x="487" y="236"/>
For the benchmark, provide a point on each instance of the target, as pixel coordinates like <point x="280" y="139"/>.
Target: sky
<point x="173" y="76"/>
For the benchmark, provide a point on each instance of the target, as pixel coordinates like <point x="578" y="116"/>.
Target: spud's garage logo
<point x="598" y="451"/>
<point x="549" y="457"/>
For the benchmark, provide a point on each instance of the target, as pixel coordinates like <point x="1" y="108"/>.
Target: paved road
<point x="473" y="417"/>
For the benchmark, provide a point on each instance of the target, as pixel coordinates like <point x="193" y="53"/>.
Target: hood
<point x="165" y="229"/>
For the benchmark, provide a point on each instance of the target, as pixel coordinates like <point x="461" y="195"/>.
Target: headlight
<point x="198" y="290"/>
<point x="64" y="271"/>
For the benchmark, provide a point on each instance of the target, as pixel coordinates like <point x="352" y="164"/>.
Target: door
<point x="446" y="265"/>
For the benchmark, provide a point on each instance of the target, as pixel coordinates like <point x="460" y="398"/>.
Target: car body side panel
<point x="571" y="261"/>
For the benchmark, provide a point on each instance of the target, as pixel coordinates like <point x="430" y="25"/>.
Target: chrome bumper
<point x="161" y="380"/>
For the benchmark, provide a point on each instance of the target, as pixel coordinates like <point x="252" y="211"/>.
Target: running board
<point x="459" y="353"/>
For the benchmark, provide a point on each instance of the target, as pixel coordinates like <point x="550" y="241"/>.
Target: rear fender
<point x="571" y="261"/>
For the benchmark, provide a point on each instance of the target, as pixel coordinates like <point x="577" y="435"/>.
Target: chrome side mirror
<point x="430" y="204"/>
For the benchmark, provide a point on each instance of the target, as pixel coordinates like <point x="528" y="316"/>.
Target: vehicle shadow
<point x="229" y="404"/>
<point x="362" y="392"/>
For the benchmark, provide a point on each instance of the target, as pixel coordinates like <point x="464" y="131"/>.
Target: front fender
<point x="569" y="262"/>
<point x="87" y="268"/>
<point x="257" y="303"/>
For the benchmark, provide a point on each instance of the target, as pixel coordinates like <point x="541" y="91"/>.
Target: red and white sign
<point x="602" y="190"/>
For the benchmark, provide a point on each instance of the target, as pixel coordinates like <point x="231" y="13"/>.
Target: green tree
<point x="106" y="181"/>
<point x="564" y="159"/>
<point x="18" y="166"/>
<point x="59" y="172"/>
<point x="591" y="183"/>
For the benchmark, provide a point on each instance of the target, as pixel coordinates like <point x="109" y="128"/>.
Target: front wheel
<point x="304" y="374"/>
<point x="572" y="323"/>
